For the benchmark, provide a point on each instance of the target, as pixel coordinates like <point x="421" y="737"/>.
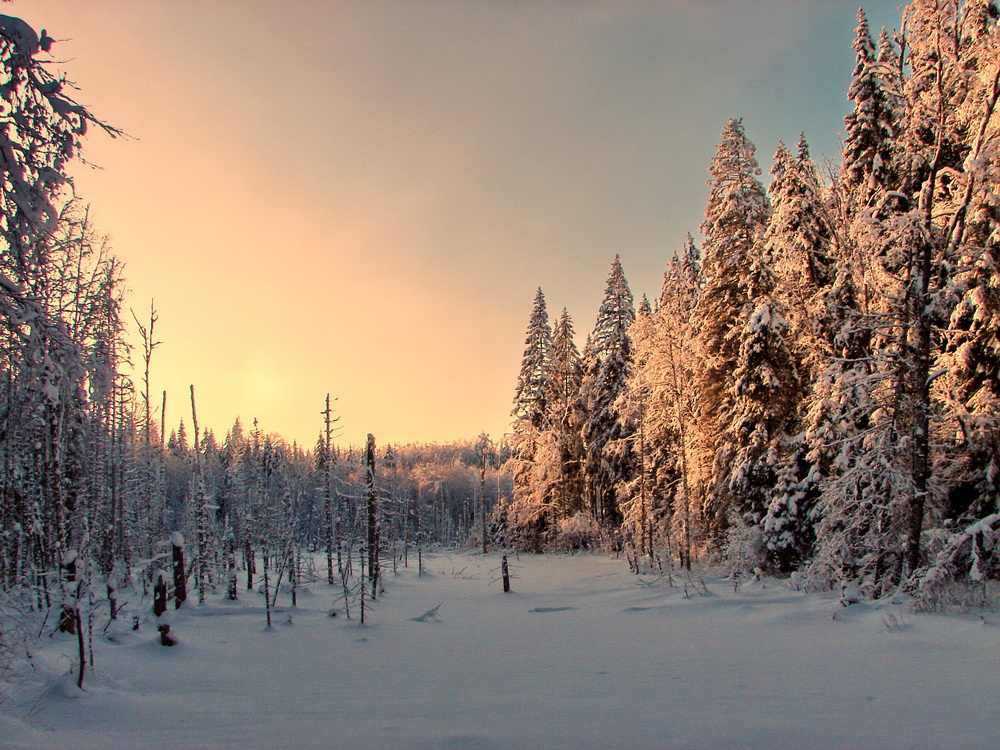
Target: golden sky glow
<point x="361" y="197"/>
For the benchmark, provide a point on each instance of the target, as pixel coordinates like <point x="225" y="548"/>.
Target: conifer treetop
<point x="531" y="394"/>
<point x="616" y="315"/>
<point x="737" y="205"/>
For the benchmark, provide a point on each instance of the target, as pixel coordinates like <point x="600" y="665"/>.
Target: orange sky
<point x="361" y="197"/>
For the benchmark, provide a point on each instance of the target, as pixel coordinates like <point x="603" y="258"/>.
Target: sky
<point x="361" y="197"/>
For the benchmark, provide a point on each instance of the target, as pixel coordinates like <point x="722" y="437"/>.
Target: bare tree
<point x="374" y="569"/>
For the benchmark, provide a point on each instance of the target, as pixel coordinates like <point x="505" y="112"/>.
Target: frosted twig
<point x="430" y="615"/>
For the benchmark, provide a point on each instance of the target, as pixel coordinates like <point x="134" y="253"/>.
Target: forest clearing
<point x="760" y="509"/>
<point x="580" y="654"/>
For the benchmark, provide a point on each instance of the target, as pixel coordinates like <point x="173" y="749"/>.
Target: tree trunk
<point x="112" y="598"/>
<point x="231" y="590"/>
<point x="180" y="578"/>
<point x="920" y="394"/>
<point x="373" y="527"/>
<point x="267" y="595"/>
<point x="80" y="644"/>
<point x="482" y="499"/>
<point x="160" y="593"/>
<point x="327" y="500"/>
<point x="251" y="563"/>
<point x="201" y="498"/>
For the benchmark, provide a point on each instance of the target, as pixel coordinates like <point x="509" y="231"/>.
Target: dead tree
<point x="160" y="609"/>
<point x="484" y="447"/>
<point x="249" y="560"/>
<point x="70" y="620"/>
<point x="328" y="530"/>
<point x="373" y="526"/>
<point x="160" y="594"/>
<point x="344" y="578"/>
<point x="180" y="578"/>
<point x="68" y="617"/>
<point x="231" y="575"/>
<point x="113" y="597"/>
<point x="154" y="496"/>
<point x="201" y="508"/>
<point x="267" y="595"/>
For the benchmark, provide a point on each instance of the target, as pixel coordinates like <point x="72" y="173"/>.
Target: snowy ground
<point x="582" y="654"/>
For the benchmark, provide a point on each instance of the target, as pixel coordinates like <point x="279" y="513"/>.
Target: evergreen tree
<point x="970" y="390"/>
<point x="606" y="366"/>
<point x="530" y="513"/>
<point x="871" y="127"/>
<point x="763" y="398"/>
<point x="531" y="395"/>
<point x="566" y="416"/>
<point x="834" y="414"/>
<point x="734" y="224"/>
<point x="799" y="243"/>
<point x="639" y="494"/>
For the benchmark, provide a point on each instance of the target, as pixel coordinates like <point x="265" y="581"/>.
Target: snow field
<point x="581" y="654"/>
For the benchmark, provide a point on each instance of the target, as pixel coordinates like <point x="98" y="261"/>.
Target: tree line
<point x="816" y="388"/>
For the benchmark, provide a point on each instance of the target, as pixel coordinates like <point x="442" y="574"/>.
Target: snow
<point x="20" y="34"/>
<point x="581" y="654"/>
<point x="849" y="594"/>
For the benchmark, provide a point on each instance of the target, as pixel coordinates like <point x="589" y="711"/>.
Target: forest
<point x="96" y="494"/>
<point x="815" y="391"/>
<point x="813" y="394"/>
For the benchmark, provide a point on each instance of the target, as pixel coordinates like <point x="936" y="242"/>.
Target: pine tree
<point x="638" y="496"/>
<point x="764" y="394"/>
<point x="566" y="417"/>
<point x="800" y="244"/>
<point x="44" y="133"/>
<point x="529" y="515"/>
<point x="872" y="126"/>
<point x="45" y="509"/>
<point x="734" y="224"/>
<point x="661" y="400"/>
<point x="970" y="390"/>
<point x="532" y="392"/>
<point x="606" y="367"/>
<point x="834" y="415"/>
